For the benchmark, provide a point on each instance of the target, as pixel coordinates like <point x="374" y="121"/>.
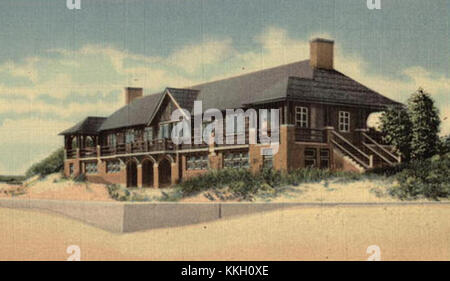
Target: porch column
<point x="174" y="173"/>
<point x="155" y="176"/>
<point x="139" y="176"/>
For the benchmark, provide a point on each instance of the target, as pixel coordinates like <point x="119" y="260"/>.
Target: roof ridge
<point x="247" y="74"/>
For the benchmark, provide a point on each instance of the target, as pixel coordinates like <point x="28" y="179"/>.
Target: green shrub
<point x="80" y="178"/>
<point x="389" y="171"/>
<point x="13" y="180"/>
<point x="245" y="185"/>
<point x="426" y="178"/>
<point x="52" y="164"/>
<point x="120" y="193"/>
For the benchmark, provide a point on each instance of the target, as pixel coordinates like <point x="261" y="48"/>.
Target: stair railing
<point x="398" y="159"/>
<point x="368" y="158"/>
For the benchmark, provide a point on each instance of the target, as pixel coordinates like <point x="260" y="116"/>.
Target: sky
<point x="58" y="65"/>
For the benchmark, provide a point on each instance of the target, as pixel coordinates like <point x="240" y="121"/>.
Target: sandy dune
<point x="55" y="187"/>
<point x="333" y="233"/>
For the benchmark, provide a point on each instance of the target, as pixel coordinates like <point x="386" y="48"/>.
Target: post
<point x="155" y="176"/>
<point x="370" y="161"/>
<point x="328" y="134"/>
<point x="139" y="176"/>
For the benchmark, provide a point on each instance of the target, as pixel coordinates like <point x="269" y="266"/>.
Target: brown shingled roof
<point x="89" y="126"/>
<point x="295" y="81"/>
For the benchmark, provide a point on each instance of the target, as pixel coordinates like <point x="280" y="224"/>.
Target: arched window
<point x="74" y="143"/>
<point x="89" y="142"/>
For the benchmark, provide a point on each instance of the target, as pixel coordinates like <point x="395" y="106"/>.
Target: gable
<point x="138" y="112"/>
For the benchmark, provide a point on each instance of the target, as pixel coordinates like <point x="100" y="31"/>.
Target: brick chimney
<point x="321" y="53"/>
<point x="133" y="93"/>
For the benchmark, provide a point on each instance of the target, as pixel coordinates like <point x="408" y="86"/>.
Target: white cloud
<point x="191" y="58"/>
<point x="32" y="130"/>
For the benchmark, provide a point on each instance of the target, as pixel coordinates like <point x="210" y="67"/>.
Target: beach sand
<point x="303" y="233"/>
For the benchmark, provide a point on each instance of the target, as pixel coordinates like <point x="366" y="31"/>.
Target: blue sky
<point x="59" y="65"/>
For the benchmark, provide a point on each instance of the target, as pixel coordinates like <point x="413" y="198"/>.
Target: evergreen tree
<point x="445" y="145"/>
<point x="396" y="128"/>
<point x="425" y="122"/>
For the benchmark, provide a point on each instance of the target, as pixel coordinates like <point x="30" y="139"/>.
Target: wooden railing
<point x="88" y="152"/>
<point x="310" y="135"/>
<point x="138" y="147"/>
<point x="366" y="161"/>
<point x="71" y="153"/>
<point x="380" y="150"/>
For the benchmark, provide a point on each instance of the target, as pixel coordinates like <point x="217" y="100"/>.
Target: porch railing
<point x="310" y="135"/>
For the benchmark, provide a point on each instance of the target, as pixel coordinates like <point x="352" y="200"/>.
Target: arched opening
<point x="74" y="143"/>
<point x="131" y="174"/>
<point x="165" y="173"/>
<point x="89" y="142"/>
<point x="147" y="173"/>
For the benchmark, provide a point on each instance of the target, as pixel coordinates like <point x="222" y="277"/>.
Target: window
<point x="236" y="160"/>
<point x="148" y="134"/>
<point x="112" y="139"/>
<point x="197" y="162"/>
<point x="268" y="161"/>
<point x="310" y="157"/>
<point x="164" y="131"/>
<point x="71" y="169"/>
<point x="91" y="168"/>
<point x="113" y="166"/>
<point x="130" y="136"/>
<point x="324" y="158"/>
<point x="344" y="121"/>
<point x="301" y="116"/>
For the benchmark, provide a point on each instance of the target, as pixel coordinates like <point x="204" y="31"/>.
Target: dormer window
<point x="301" y="116"/>
<point x="344" y="121"/>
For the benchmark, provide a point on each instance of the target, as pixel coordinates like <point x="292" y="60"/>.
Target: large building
<point x="323" y="123"/>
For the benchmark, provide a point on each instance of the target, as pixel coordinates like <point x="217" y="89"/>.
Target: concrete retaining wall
<point x="105" y="215"/>
<point x="143" y="216"/>
<point x="129" y="217"/>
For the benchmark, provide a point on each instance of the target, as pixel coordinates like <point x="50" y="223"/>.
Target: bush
<point x="121" y="193"/>
<point x="427" y="178"/>
<point x="244" y="185"/>
<point x="52" y="164"/>
<point x="80" y="178"/>
<point x="389" y="171"/>
<point x="13" y="180"/>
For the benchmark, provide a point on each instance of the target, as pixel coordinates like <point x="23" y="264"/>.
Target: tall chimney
<point x="321" y="53"/>
<point x="132" y="93"/>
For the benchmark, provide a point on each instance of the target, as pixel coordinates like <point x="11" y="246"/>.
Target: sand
<point x="55" y="187"/>
<point x="334" y="190"/>
<point x="327" y="233"/>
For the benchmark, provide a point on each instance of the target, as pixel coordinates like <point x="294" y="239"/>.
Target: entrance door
<point x="165" y="173"/>
<point x="147" y="173"/>
<point x="131" y="174"/>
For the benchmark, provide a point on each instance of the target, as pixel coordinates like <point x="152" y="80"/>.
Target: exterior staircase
<point x="366" y="154"/>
